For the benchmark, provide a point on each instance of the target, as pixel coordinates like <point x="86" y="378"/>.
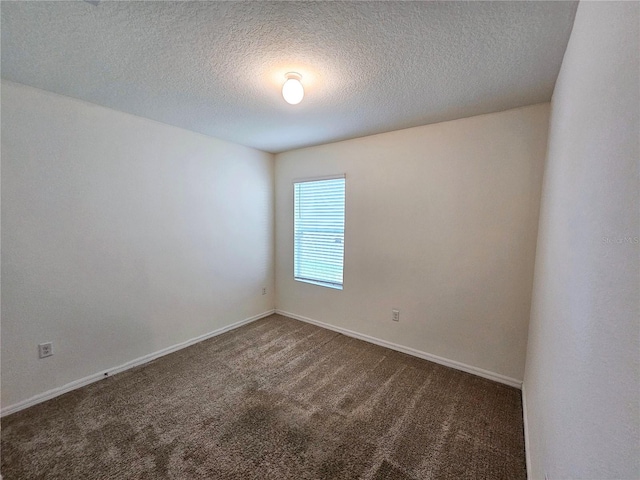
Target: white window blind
<point x="319" y="231"/>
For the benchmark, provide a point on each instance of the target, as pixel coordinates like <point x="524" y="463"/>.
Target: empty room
<point x="320" y="240"/>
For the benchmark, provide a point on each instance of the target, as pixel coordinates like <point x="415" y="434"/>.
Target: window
<point x="318" y="252"/>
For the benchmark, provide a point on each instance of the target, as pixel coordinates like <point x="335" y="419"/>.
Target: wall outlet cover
<point x="45" y="349"/>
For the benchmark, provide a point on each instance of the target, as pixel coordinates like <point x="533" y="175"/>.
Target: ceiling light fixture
<point x="292" y="90"/>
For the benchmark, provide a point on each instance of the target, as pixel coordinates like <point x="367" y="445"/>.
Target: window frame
<point x="314" y="281"/>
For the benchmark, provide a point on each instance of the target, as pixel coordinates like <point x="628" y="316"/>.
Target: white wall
<point x="121" y="236"/>
<point x="583" y="358"/>
<point x="441" y="222"/>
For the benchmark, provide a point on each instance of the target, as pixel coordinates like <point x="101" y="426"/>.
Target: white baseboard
<point x="527" y="445"/>
<point x="410" y="351"/>
<point x="49" y="394"/>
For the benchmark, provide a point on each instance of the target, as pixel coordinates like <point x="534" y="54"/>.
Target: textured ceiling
<point x="217" y="67"/>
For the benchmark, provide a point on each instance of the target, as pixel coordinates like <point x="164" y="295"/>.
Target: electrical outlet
<point x="395" y="315"/>
<point x="264" y="290"/>
<point x="45" y="349"/>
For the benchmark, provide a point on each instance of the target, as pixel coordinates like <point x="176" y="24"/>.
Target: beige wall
<point x="121" y="236"/>
<point x="441" y="223"/>
<point x="582" y="378"/>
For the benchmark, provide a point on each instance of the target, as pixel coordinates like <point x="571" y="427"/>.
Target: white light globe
<point x="292" y="90"/>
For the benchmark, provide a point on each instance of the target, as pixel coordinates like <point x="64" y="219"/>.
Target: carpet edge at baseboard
<point x="525" y="422"/>
<point x="55" y="392"/>
<point x="496" y="377"/>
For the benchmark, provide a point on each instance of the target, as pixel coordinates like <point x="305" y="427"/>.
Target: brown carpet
<point x="275" y="399"/>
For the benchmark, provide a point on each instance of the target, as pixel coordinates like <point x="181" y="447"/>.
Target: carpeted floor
<point x="275" y="399"/>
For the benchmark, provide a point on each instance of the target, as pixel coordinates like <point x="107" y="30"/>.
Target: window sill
<point x="334" y="286"/>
